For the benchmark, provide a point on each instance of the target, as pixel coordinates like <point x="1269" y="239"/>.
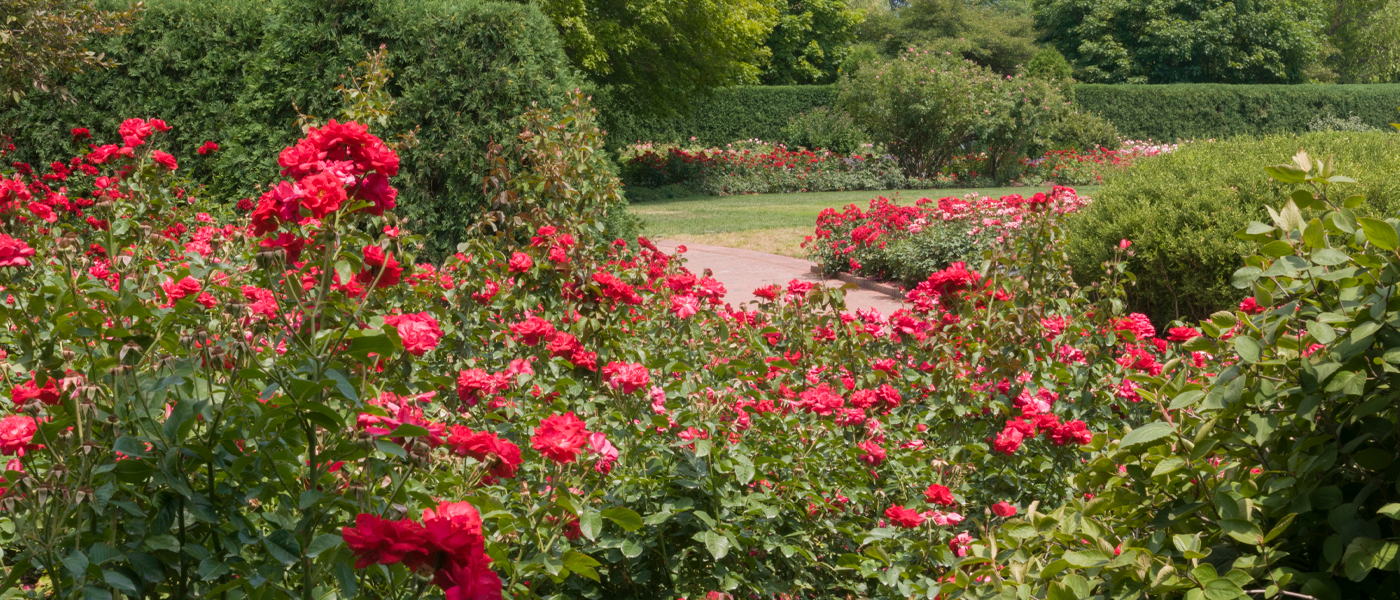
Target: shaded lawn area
<point x="774" y="223"/>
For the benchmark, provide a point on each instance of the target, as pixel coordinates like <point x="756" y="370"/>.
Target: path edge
<point x="864" y="283"/>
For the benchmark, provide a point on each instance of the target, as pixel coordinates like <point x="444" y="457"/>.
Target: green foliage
<point x="1275" y="474"/>
<point x="1330" y="122"/>
<point x="722" y="116"/>
<point x="826" y="128"/>
<point x="1179" y="41"/>
<point x="1361" y="41"/>
<point x="987" y="35"/>
<point x="1082" y="130"/>
<point x="926" y="105"/>
<point x="237" y="72"/>
<point x="1170" y="112"/>
<point x="1180" y="211"/>
<point x="1049" y="64"/>
<point x="810" y="42"/>
<point x="43" y="39"/>
<point x="661" y="53"/>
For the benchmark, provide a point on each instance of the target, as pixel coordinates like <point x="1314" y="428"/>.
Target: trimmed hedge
<point x="726" y="115"/>
<point x="1181" y="211"/>
<point x="1207" y="110"/>
<point x="230" y="71"/>
<point x="1159" y="112"/>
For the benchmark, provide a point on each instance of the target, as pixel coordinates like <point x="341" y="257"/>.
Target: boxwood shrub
<point x="1181" y="211"/>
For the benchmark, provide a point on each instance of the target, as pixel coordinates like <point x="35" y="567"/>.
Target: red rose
<point x="14" y="252"/>
<point x="134" y="132"/>
<point x="419" y="331"/>
<point x="470" y="582"/>
<point x="1182" y="334"/>
<point x="1002" y="509"/>
<point x="174" y="290"/>
<point x="1071" y="432"/>
<point x="628" y="377"/>
<point x="1250" y="306"/>
<point x="475" y="384"/>
<point x="29" y="390"/>
<point x="874" y="454"/>
<point x="560" y="437"/>
<point x="520" y="262"/>
<point x="81" y="133"/>
<point x="452" y="531"/>
<point x="376" y="541"/>
<point x="16" y="433"/>
<point x="502" y="456"/>
<point x="380" y="269"/>
<point x="322" y="194"/>
<point x="1009" y="440"/>
<point x="375" y="189"/>
<point x="165" y="160"/>
<point x="532" y="331"/>
<point x="207" y="148"/>
<point x="904" y="517"/>
<point x="939" y="495"/>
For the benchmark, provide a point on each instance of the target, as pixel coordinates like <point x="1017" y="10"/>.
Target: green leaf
<point x="625" y="518"/>
<point x="1243" y="531"/>
<point x="582" y="564"/>
<point x="591" y="524"/>
<point x="1276" y="248"/>
<point x="1170" y="465"/>
<point x="77" y="563"/>
<point x="408" y="430"/>
<point x="1287" y="173"/>
<point x="1248" y="348"/>
<point x="100" y="553"/>
<point x="322" y="543"/>
<point x="1223" y="589"/>
<point x="743" y="471"/>
<point x="1391" y="510"/>
<point x="282" y="546"/>
<point x="1381" y="234"/>
<point x="1322" y="332"/>
<point x="1245" y="277"/>
<point x="1086" y="559"/>
<point x="391" y="448"/>
<point x="1330" y="257"/>
<point x="715" y="542"/>
<point x="1146" y="434"/>
<point x="117" y="580"/>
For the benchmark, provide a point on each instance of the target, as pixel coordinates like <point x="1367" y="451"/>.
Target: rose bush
<point x="756" y="167"/>
<point x="290" y="403"/>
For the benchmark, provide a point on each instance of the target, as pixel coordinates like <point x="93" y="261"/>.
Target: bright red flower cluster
<point x="449" y="543"/>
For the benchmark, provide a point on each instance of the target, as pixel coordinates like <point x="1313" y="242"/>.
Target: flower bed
<point x="908" y="243"/>
<point x="756" y="167"/>
<point x="289" y="404"/>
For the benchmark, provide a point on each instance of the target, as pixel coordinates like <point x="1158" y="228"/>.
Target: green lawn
<point x="773" y="223"/>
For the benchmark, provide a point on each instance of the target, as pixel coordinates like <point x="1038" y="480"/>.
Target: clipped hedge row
<point x="1202" y="111"/>
<point x="726" y="115"/>
<point x="1181" y="211"/>
<point x="231" y="70"/>
<point x="1158" y="112"/>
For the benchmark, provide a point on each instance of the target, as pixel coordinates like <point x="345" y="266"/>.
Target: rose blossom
<point x="560" y="437"/>
<point x="904" y="517"/>
<point x="1003" y="509"/>
<point x="419" y="331"/>
<point x="16" y="433"/>
<point x="627" y="377"/>
<point x="14" y="252"/>
<point x="939" y="495"/>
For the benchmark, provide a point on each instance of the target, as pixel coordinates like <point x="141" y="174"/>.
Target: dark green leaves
<point x="1146" y="434"/>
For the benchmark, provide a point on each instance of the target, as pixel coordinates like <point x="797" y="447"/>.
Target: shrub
<point x="1201" y="111"/>
<point x="720" y="117"/>
<point x="925" y="106"/>
<point x="1330" y="122"/>
<point x="236" y="73"/>
<point x="1049" y="64"/>
<point x="1079" y="130"/>
<point x="1181" y="210"/>
<point x="756" y="168"/>
<point x="826" y="129"/>
<point x="1270" y="473"/>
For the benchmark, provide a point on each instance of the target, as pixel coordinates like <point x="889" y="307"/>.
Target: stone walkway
<point x="742" y="271"/>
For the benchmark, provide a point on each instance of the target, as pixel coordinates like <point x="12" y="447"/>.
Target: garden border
<point x="863" y="283"/>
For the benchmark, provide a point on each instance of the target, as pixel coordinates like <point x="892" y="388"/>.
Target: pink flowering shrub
<point x="291" y="403"/>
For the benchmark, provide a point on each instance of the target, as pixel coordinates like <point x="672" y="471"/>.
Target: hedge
<point x="1181" y="211"/>
<point x="231" y="70"/>
<point x="1203" y="111"/>
<point x="1159" y="112"/>
<point x="725" y="115"/>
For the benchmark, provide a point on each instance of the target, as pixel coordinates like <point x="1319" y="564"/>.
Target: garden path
<point x="742" y="271"/>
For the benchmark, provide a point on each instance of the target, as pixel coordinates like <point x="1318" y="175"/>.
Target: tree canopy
<point x="810" y="41"/>
<point x="1184" y="41"/>
<point x="43" y="38"/>
<point x="996" y="35"/>
<point x="661" y="52"/>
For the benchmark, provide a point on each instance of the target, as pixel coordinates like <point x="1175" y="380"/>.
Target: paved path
<point x="742" y="271"/>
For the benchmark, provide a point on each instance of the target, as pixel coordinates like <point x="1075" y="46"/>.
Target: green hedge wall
<point x="1201" y="111"/>
<point x="1160" y="112"/>
<point x="726" y="115"/>
<point x="230" y="71"/>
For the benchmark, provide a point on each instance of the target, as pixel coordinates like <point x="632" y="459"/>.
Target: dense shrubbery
<point x="722" y="116"/>
<point x="826" y="129"/>
<point x="1272" y="471"/>
<point x="1202" y="111"/>
<point x="926" y="106"/>
<point x="757" y="168"/>
<point x="1181" y="210"/>
<point x="236" y="72"/>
